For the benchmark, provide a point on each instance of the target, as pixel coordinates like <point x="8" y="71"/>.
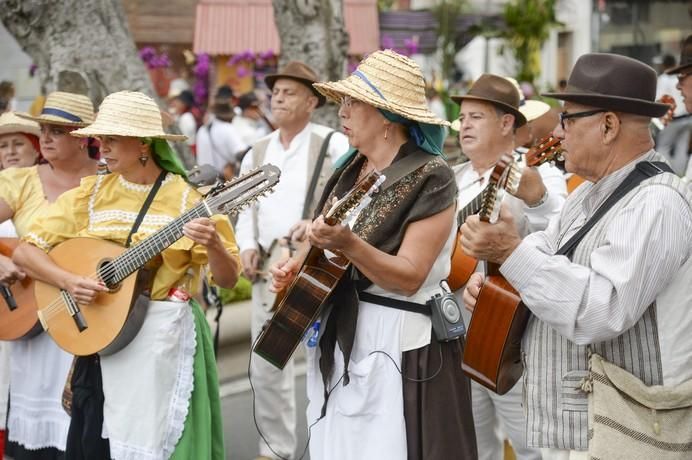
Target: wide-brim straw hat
<point x="300" y="72"/>
<point x="498" y="91"/>
<point x="685" y="58"/>
<point x="613" y="82"/>
<point x="389" y="81"/>
<point x="65" y="109"/>
<point x="129" y="114"/>
<point x="10" y="123"/>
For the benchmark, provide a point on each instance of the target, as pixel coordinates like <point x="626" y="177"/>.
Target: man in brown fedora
<point x="305" y="152"/>
<point x="614" y="282"/>
<point x="489" y="116"/>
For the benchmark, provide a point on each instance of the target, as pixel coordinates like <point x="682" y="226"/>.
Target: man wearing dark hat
<point x="623" y="292"/>
<point x="683" y="71"/>
<point x="305" y="152"/>
<point x="250" y="123"/>
<point x="489" y="115"/>
<point x="218" y="140"/>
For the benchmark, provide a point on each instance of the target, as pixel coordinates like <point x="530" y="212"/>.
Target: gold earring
<point x="143" y="159"/>
<point x="386" y="132"/>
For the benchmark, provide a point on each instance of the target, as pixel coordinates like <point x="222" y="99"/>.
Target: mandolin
<point x="463" y="265"/>
<point x="114" y="318"/>
<point x="300" y="303"/>
<point x="18" y="318"/>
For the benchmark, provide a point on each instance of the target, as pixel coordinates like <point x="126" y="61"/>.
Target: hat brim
<point x="271" y="79"/>
<point x="520" y="119"/>
<point x="15" y="128"/>
<point x="614" y="103"/>
<point x="533" y="109"/>
<point x="679" y="69"/>
<point x="51" y="120"/>
<point x="96" y="129"/>
<point x="355" y="88"/>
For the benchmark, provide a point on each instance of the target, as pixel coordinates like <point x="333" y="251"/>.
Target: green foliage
<point x="385" y="5"/>
<point x="241" y="291"/>
<point x="528" y="24"/>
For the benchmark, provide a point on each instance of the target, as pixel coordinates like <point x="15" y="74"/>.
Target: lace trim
<point x="140" y="187"/>
<point x="38" y="429"/>
<point x="179" y="404"/>
<point x="183" y="202"/>
<point x="37" y="241"/>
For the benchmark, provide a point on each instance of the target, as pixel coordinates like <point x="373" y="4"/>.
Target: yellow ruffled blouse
<point x="21" y="189"/>
<point x="106" y="207"/>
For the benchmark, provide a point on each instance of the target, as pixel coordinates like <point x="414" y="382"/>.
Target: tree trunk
<point x="79" y="46"/>
<point x="313" y="31"/>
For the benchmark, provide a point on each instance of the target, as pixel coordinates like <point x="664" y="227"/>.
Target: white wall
<point x="15" y="68"/>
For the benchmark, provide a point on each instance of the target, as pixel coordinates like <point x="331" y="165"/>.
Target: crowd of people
<point x="603" y="267"/>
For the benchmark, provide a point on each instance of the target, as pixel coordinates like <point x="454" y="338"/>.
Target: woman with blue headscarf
<point x="380" y="382"/>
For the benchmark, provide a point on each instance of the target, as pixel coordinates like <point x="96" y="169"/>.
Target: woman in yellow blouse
<point x="160" y="393"/>
<point x="37" y="424"/>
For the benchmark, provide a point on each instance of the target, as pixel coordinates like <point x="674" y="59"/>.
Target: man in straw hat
<point x="490" y="114"/>
<point x="381" y="383"/>
<point x="159" y="394"/>
<point x="305" y="153"/>
<point x="624" y="291"/>
<point x="37" y="423"/>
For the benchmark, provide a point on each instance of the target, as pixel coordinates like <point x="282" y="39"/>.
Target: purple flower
<point x="267" y="55"/>
<point x="147" y="53"/>
<point x="259" y="62"/>
<point x="242" y="71"/>
<point x="200" y="91"/>
<point x="386" y="42"/>
<point x="411" y="45"/>
<point x="32" y="70"/>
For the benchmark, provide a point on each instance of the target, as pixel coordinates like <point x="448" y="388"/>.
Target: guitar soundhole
<point x="107" y="274"/>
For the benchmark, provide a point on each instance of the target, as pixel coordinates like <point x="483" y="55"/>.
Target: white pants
<point x="275" y="398"/>
<point x="563" y="454"/>
<point x="493" y="414"/>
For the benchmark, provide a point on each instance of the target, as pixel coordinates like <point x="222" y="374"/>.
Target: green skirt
<point x="203" y="432"/>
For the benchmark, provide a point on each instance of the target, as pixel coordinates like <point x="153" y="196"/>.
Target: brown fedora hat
<point x="300" y="72"/>
<point x="613" y="82"/>
<point x="498" y="91"/>
<point x="685" y="57"/>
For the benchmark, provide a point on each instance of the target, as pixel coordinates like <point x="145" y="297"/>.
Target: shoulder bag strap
<point x="642" y="171"/>
<point x="316" y="175"/>
<point x="145" y="206"/>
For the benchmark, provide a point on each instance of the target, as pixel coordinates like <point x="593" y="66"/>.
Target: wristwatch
<point x="543" y="199"/>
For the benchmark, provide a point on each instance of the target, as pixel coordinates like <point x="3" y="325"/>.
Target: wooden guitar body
<point x="492" y="355"/>
<point x="18" y="318"/>
<point x="463" y="266"/>
<point x="112" y="320"/>
<point x="299" y="305"/>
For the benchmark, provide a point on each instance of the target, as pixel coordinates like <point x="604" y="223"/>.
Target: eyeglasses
<point x="566" y="116"/>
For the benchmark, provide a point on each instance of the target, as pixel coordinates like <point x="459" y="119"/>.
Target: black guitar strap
<point x="642" y="171"/>
<point x="145" y="207"/>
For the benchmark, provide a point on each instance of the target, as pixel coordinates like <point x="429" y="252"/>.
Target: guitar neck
<point x="136" y="257"/>
<point x="470" y="209"/>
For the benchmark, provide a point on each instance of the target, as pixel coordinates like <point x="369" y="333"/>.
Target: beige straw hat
<point x="10" y="123"/>
<point x="386" y="80"/>
<point x="66" y="109"/>
<point x="128" y="113"/>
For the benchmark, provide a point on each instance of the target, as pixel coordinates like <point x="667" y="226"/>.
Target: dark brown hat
<point x="685" y="57"/>
<point x="300" y="72"/>
<point x="498" y="91"/>
<point x="613" y="82"/>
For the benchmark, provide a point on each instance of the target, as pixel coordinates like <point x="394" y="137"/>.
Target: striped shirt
<point x="625" y="294"/>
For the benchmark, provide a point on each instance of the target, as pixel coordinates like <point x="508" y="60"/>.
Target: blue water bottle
<point x="314" y="334"/>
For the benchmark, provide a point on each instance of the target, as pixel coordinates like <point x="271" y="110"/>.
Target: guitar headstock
<point x="232" y="196"/>
<point x="504" y="174"/>
<point x="547" y="149"/>
<point x="355" y="200"/>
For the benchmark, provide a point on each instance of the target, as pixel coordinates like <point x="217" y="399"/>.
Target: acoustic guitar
<point x="492" y="355"/>
<point x="300" y="303"/>
<point x="463" y="265"/>
<point x="115" y="317"/>
<point x="18" y="318"/>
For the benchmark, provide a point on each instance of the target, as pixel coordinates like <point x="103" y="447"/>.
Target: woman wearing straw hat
<point x="37" y="424"/>
<point x="394" y="391"/>
<point x="160" y="393"/>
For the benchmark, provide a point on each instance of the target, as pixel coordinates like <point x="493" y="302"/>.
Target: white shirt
<point x="249" y="130"/>
<point x="667" y="84"/>
<point x="280" y="210"/>
<point x="188" y="126"/>
<point x="218" y="143"/>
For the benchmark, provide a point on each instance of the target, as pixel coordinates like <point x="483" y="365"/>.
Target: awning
<point x="225" y="27"/>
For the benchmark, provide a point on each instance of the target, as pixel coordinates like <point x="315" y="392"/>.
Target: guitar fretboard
<point x="470" y="209"/>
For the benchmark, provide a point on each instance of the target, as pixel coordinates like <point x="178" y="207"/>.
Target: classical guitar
<point x="300" y="303"/>
<point x="18" y="318"/>
<point x="463" y="265"/>
<point x="114" y="318"/>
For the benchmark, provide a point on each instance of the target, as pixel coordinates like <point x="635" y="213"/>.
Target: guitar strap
<point x="642" y="171"/>
<point x="145" y="206"/>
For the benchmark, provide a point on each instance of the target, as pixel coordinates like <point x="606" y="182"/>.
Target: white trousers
<point x="275" y="398"/>
<point x="494" y="414"/>
<point x="563" y="454"/>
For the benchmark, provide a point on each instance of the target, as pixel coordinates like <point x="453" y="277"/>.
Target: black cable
<point x="411" y="379"/>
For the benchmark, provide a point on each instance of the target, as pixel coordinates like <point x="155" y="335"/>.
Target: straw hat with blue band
<point x="65" y="109"/>
<point x="393" y="84"/>
<point x="134" y="114"/>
